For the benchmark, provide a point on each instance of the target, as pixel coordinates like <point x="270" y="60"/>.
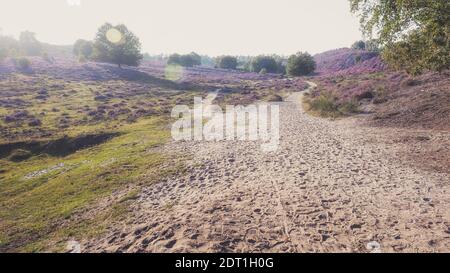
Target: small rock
<point x="73" y="247"/>
<point x="171" y="244"/>
<point x="373" y="247"/>
<point x="355" y="226"/>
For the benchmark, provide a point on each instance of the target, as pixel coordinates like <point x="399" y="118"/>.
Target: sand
<point x="332" y="186"/>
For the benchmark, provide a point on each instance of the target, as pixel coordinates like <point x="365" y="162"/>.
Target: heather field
<point x="82" y="143"/>
<point x="98" y="126"/>
<point x="243" y="127"/>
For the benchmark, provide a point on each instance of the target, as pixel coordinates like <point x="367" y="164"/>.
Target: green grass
<point x="31" y="209"/>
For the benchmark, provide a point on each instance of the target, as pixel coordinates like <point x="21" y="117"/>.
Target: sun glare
<point x="174" y="72"/>
<point x="114" y="36"/>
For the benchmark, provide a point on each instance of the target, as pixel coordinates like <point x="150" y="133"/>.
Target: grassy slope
<point x="31" y="207"/>
<point x="39" y="196"/>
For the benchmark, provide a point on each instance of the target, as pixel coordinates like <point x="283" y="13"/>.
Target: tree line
<point x="411" y="35"/>
<point x="26" y="45"/>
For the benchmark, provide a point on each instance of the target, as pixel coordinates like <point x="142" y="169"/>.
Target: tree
<point x="264" y="62"/>
<point x="417" y="32"/>
<point x="372" y="45"/>
<point x="412" y="56"/>
<point x="9" y="47"/>
<point x="29" y="45"/>
<point x="197" y="59"/>
<point x="174" y="59"/>
<point x="188" y="60"/>
<point x="227" y="62"/>
<point x="117" y="45"/>
<point x="359" y="45"/>
<point x="83" y="48"/>
<point x="300" y="64"/>
<point x="207" y="60"/>
<point x="281" y="67"/>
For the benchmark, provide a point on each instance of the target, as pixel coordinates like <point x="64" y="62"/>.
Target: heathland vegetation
<point x="81" y="127"/>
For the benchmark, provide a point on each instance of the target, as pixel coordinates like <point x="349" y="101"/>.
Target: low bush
<point x="23" y="63"/>
<point x="327" y="105"/>
<point x="274" y="98"/>
<point x="35" y="123"/>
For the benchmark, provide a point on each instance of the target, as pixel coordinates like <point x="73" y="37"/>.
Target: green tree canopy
<point x="196" y="59"/>
<point x="187" y="60"/>
<point x="369" y="45"/>
<point x="9" y="47"/>
<point x="264" y="62"/>
<point x="359" y="45"/>
<point x="174" y="59"/>
<point x="300" y="64"/>
<point x="83" y="48"/>
<point x="117" y="45"/>
<point x="227" y="62"/>
<point x="415" y="34"/>
<point x="29" y="45"/>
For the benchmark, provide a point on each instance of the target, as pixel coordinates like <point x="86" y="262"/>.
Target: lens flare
<point x="174" y="72"/>
<point x="114" y="36"/>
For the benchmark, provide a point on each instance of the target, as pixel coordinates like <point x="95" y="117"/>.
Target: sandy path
<point x="331" y="186"/>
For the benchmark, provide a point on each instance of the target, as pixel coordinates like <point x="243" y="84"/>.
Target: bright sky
<point x="214" y="27"/>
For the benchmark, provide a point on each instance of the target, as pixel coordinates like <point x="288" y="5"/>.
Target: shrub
<point x="328" y="105"/>
<point x="324" y="104"/>
<point x="46" y="58"/>
<point x="82" y="59"/>
<point x="380" y="95"/>
<point x="410" y="82"/>
<point x="23" y="63"/>
<point x="35" y="122"/>
<point x="349" y="107"/>
<point x="227" y="62"/>
<point x="300" y="64"/>
<point x="274" y="98"/>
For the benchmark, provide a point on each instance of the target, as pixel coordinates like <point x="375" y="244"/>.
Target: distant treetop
<point x="187" y="60"/>
<point x="117" y="45"/>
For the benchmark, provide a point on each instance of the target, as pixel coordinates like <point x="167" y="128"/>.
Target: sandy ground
<point x="332" y="186"/>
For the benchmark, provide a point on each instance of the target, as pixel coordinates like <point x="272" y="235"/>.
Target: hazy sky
<point x="240" y="27"/>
